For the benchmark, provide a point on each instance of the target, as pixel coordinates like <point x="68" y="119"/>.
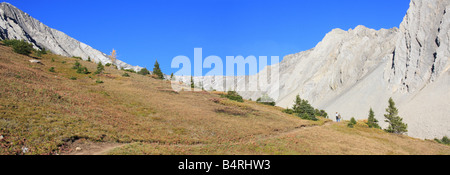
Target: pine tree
<point x="157" y="71"/>
<point x="297" y="103"/>
<point x="372" y="122"/>
<point x="395" y="122"/>
<point x="171" y="76"/>
<point x="192" y="83"/>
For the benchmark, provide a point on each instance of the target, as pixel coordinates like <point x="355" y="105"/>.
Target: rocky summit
<point x="16" y="24"/>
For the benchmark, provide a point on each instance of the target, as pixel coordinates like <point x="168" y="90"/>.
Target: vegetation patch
<point x="233" y="95"/>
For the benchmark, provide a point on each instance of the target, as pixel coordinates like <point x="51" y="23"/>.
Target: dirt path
<point x="104" y="148"/>
<point x="94" y="148"/>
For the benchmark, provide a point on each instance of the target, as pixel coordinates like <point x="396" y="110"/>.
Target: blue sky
<point x="145" y="30"/>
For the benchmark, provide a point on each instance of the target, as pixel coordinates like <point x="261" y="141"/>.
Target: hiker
<point x="338" y="117"/>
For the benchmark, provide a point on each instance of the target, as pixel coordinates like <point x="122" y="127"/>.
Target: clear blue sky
<point x="145" y="30"/>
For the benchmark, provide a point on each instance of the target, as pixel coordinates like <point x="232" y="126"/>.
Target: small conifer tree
<point x="157" y="71"/>
<point x="372" y="122"/>
<point x="396" y="124"/>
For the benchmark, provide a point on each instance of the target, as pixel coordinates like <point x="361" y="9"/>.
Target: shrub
<point x="233" y="95"/>
<point x="288" y="111"/>
<point x="99" y="82"/>
<point x="10" y="43"/>
<point x="20" y="46"/>
<point x="445" y="140"/>
<point x="52" y="69"/>
<point x="77" y="65"/>
<point x="108" y="64"/>
<point x="304" y="110"/>
<point x="321" y="113"/>
<point x="144" y="71"/>
<point x="73" y="78"/>
<point x="351" y="123"/>
<point x="64" y="62"/>
<point x="41" y="52"/>
<point x="100" y="68"/>
<point x="129" y="70"/>
<point x="77" y="58"/>
<point x="89" y="59"/>
<point x="83" y="70"/>
<point x="125" y="75"/>
<point x="303" y="107"/>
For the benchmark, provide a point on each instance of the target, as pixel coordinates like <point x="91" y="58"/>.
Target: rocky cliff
<point x="16" y="24"/>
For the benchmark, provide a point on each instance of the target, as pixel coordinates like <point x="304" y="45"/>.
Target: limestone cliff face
<point x="422" y="51"/>
<point x="16" y="24"/>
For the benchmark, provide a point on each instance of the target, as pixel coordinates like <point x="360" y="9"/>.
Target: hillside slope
<point x="43" y="112"/>
<point x="16" y="24"/>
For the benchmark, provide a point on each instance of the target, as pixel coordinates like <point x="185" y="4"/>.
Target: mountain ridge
<point x="16" y="24"/>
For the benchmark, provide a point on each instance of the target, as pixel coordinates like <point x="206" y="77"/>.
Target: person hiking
<point x="337" y="117"/>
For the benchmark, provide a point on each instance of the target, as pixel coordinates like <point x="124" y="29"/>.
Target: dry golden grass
<point x="46" y="111"/>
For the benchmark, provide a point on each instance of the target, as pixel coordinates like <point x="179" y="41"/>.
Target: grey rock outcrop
<point x="16" y="24"/>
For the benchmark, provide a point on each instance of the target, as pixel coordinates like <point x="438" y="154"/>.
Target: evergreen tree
<point x="303" y="109"/>
<point x="395" y="122"/>
<point x="297" y="103"/>
<point x="372" y="122"/>
<point x="171" y="76"/>
<point x="192" y="83"/>
<point x="157" y="71"/>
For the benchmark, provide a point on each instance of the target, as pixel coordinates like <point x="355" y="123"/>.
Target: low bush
<point x="233" y="95"/>
<point x="19" y="46"/>
<point x="83" y="70"/>
<point x="125" y="75"/>
<point x="52" y="69"/>
<point x="351" y="123"/>
<point x="445" y="140"/>
<point x="144" y="71"/>
<point x="100" y="68"/>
